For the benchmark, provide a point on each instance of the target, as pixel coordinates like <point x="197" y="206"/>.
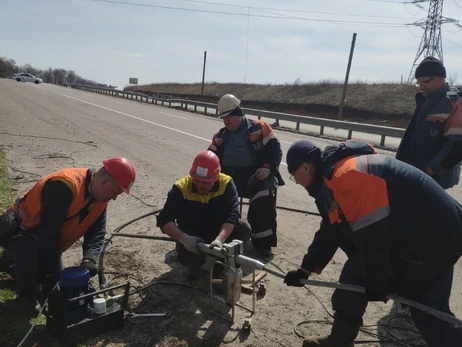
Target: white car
<point x="26" y="77"/>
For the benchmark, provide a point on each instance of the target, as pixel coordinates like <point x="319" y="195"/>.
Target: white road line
<point x="138" y="118"/>
<point x="134" y="117"/>
<point x="172" y="115"/>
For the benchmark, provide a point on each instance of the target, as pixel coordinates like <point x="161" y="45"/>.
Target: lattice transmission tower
<point x="431" y="43"/>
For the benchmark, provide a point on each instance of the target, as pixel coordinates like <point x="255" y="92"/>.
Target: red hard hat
<point x="206" y="167"/>
<point x="121" y="171"/>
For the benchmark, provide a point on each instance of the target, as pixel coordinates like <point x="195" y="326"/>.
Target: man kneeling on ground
<point x="202" y="207"/>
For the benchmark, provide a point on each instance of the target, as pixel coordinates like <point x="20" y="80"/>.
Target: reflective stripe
<point x="453" y="131"/>
<point x="361" y="163"/>
<point x="269" y="137"/>
<point x="439" y="117"/>
<point x="331" y="204"/>
<point x="376" y="164"/>
<point x="260" y="194"/>
<point x="262" y="234"/>
<point x="371" y="218"/>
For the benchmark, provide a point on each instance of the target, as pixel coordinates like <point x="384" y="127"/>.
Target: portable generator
<point x="77" y="312"/>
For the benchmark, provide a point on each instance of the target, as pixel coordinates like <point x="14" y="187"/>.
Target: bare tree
<point x="7" y="67"/>
<point x="71" y="77"/>
<point x="452" y="79"/>
<point x="59" y="76"/>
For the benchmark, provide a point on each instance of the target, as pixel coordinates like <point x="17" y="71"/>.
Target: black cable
<point x="392" y="339"/>
<point x="108" y="241"/>
<point x="332" y="21"/>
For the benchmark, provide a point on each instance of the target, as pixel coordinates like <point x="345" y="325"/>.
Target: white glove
<point x="262" y="173"/>
<point x="218" y="242"/>
<point x="190" y="242"/>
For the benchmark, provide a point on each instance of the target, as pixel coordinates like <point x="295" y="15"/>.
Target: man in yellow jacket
<point x="57" y="211"/>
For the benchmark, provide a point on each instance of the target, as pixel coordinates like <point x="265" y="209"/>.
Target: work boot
<point x="343" y="333"/>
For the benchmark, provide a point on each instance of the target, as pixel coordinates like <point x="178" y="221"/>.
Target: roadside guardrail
<point x="211" y="109"/>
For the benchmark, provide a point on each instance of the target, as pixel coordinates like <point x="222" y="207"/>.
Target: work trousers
<point x="261" y="214"/>
<point x="410" y="284"/>
<point x="24" y="249"/>
<point x="195" y="261"/>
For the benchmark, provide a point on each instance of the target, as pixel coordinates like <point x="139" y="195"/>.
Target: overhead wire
<point x="317" y="20"/>
<point x="293" y="10"/>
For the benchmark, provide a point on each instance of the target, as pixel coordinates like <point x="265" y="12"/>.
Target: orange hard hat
<point x="206" y="167"/>
<point x="121" y="171"/>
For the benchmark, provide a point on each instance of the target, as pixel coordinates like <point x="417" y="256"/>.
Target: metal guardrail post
<point x="383" y="131"/>
<point x="382" y="140"/>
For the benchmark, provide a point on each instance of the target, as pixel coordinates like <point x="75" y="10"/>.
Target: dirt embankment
<point x="381" y="104"/>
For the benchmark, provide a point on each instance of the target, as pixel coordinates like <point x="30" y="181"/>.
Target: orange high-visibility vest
<point x="28" y="207"/>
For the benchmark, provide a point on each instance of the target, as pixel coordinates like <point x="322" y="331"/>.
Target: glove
<point x="218" y="242"/>
<point x="190" y="242"/>
<point x="293" y="278"/>
<point x="262" y="173"/>
<point x="90" y="266"/>
<point x="376" y="295"/>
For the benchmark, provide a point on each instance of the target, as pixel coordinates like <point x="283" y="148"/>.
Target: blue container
<point x="74" y="281"/>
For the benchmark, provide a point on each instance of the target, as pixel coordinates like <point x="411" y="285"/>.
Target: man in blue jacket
<point x="433" y="138"/>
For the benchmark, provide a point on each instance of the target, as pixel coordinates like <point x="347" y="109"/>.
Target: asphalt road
<point x="46" y="127"/>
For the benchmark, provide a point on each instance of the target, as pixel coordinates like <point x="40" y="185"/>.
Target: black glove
<point x="293" y="278"/>
<point x="376" y="295"/>
<point x="90" y="266"/>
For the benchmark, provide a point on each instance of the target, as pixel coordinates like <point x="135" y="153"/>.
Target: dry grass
<point x="384" y="98"/>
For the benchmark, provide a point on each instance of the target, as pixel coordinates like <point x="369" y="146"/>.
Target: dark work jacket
<point x="423" y="226"/>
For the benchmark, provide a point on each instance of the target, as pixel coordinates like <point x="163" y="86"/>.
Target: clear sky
<point x="111" y="41"/>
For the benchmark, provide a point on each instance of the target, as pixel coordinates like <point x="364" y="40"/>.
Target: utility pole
<point x="203" y="73"/>
<point x="342" y="101"/>
<point x="431" y="43"/>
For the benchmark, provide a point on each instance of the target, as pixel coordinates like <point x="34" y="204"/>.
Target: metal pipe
<point x="247" y="261"/>
<point x="215" y="251"/>
<point x="149" y="237"/>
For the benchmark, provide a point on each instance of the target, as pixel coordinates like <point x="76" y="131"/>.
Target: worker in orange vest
<point x="401" y="232"/>
<point x="57" y="211"/>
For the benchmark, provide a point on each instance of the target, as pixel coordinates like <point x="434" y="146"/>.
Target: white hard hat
<point x="227" y="104"/>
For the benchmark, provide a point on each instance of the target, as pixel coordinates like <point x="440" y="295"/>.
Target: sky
<point x="247" y="41"/>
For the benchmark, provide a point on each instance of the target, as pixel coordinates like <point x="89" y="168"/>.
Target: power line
<point x="292" y="10"/>
<point x="332" y="21"/>
<point x="431" y="43"/>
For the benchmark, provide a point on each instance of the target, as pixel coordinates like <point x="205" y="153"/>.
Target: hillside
<point x="384" y="104"/>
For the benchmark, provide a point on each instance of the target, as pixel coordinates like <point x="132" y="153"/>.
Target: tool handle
<point x="255" y="264"/>
<point x="215" y="251"/>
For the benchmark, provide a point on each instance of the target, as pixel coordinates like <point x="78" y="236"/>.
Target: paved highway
<point x="46" y="127"/>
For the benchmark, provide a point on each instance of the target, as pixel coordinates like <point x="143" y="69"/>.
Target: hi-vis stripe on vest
<point x="28" y="207"/>
<point x="186" y="187"/>
<point x="355" y="196"/>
